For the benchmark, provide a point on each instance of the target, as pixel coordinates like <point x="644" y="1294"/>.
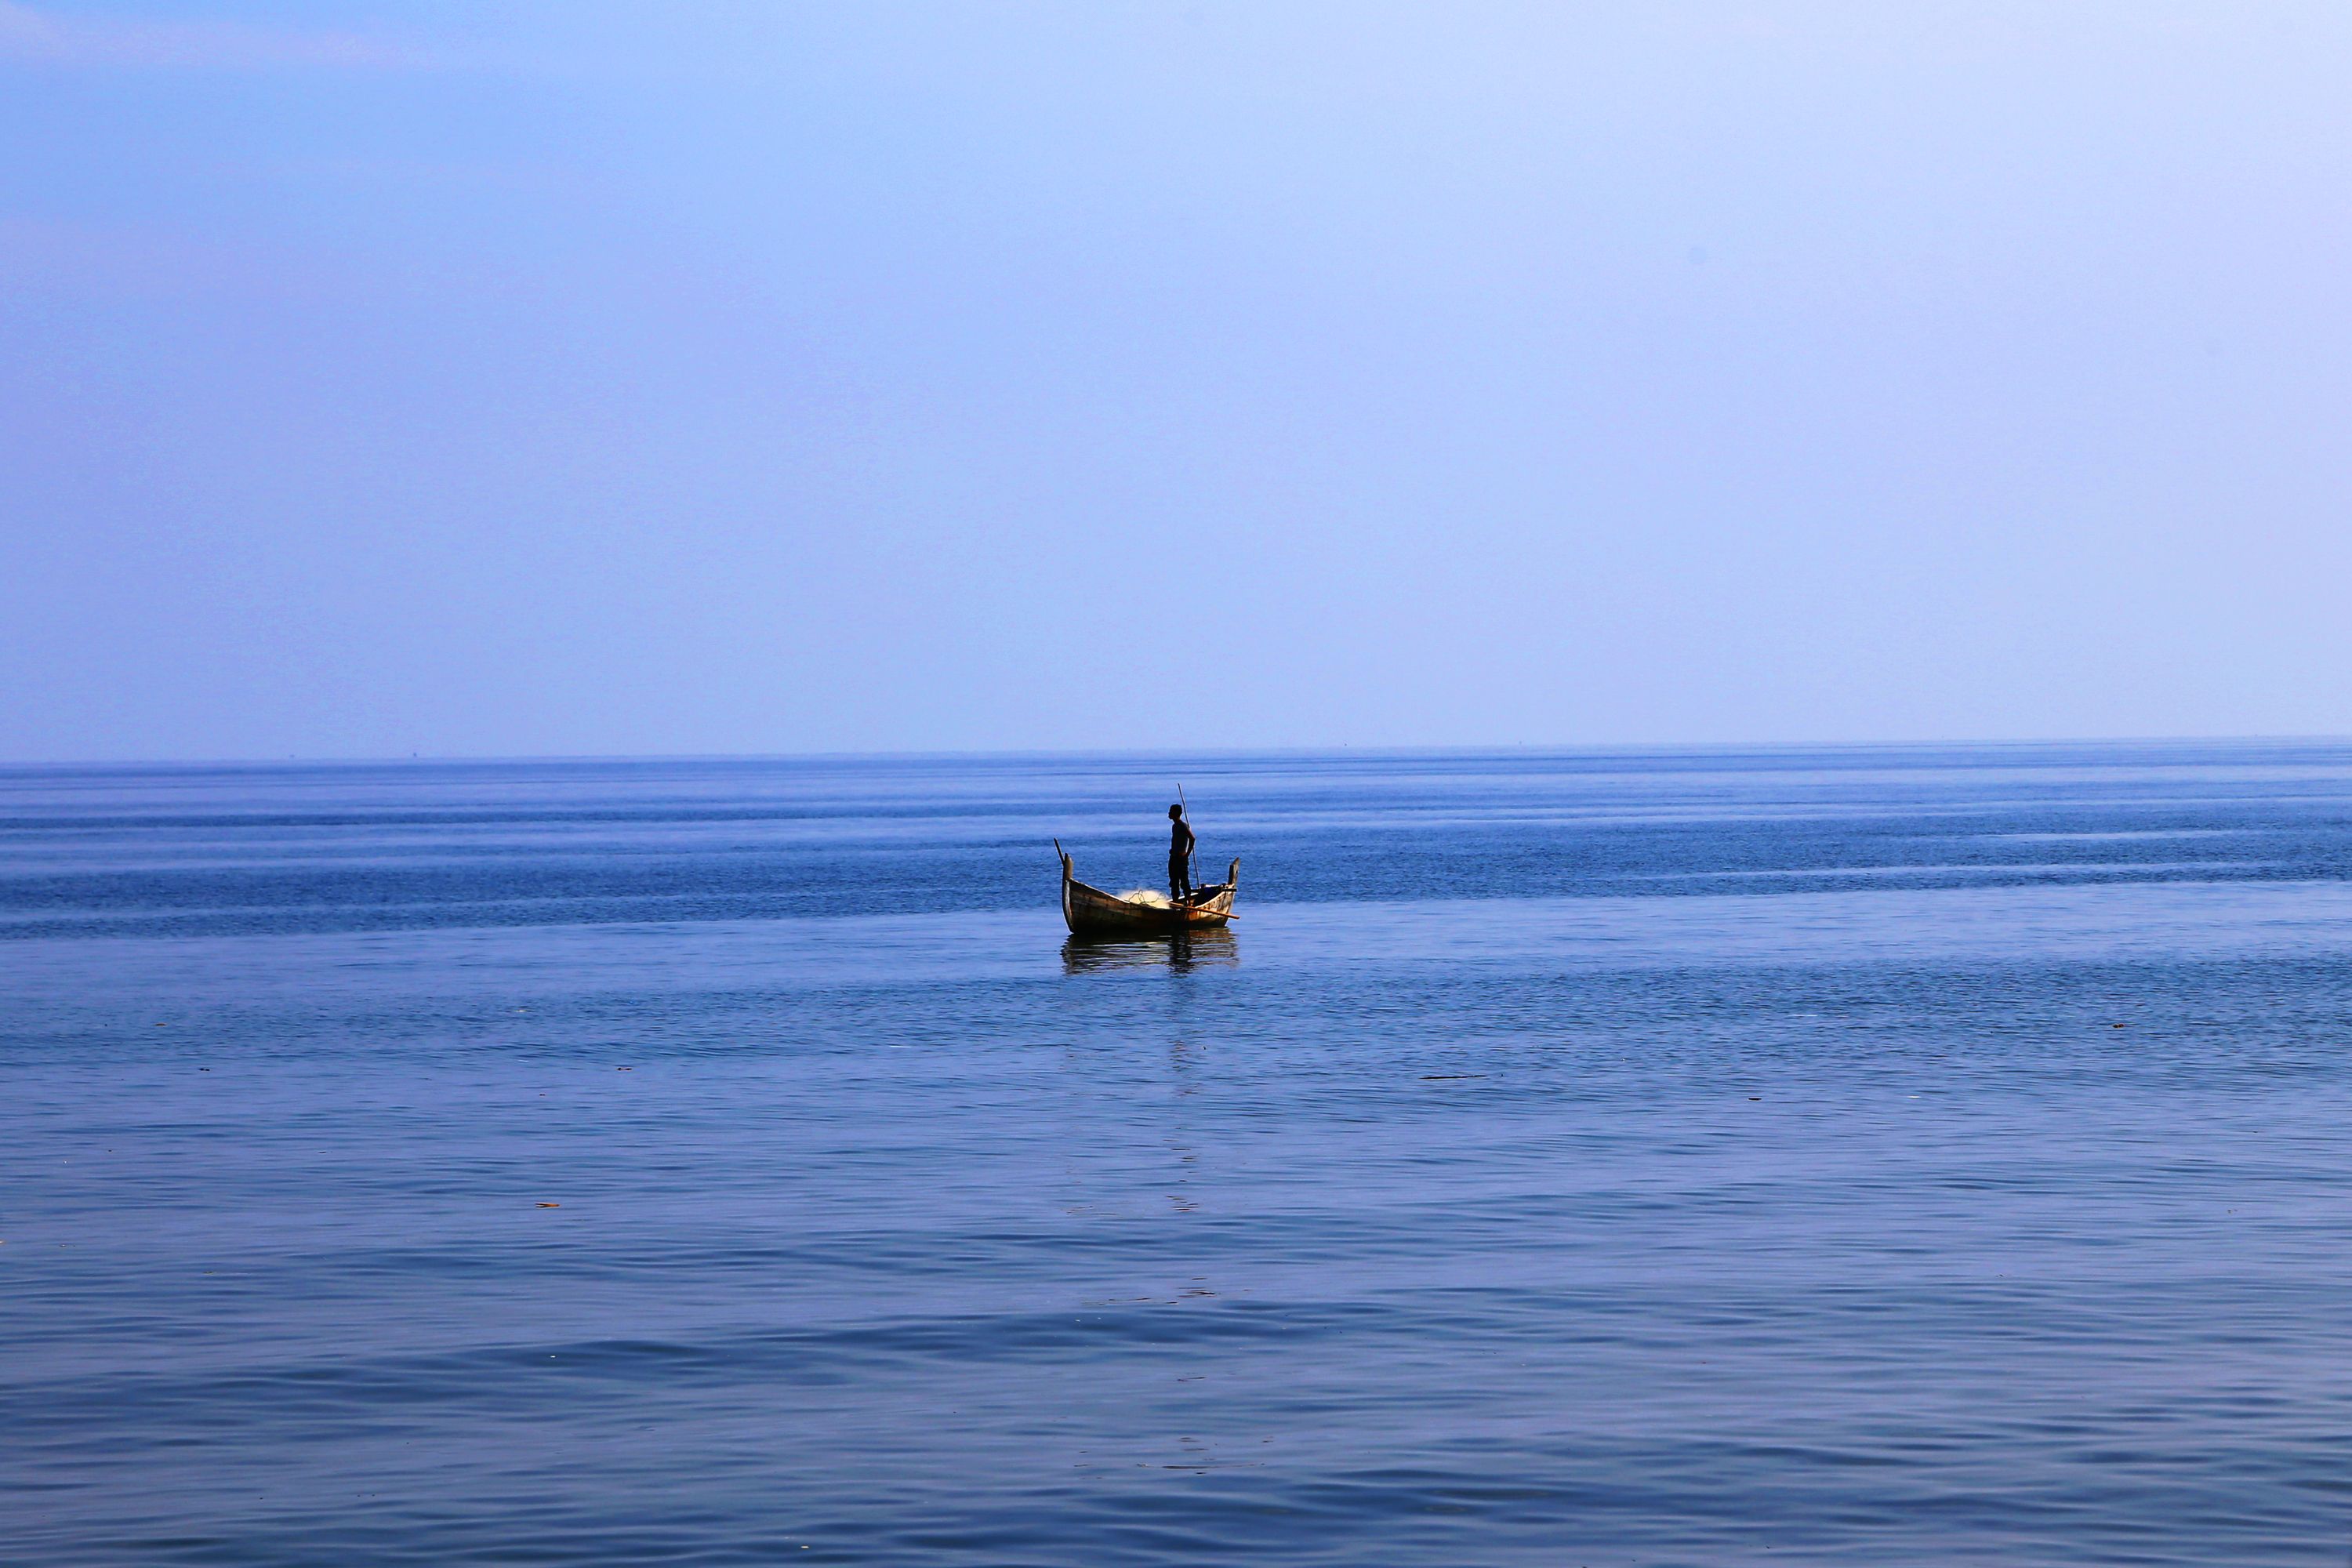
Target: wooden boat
<point x="1091" y="911"/>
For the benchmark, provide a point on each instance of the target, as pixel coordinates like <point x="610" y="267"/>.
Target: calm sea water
<point x="1898" y="1157"/>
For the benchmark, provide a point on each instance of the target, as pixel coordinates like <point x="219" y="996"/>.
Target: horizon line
<point x="910" y="754"/>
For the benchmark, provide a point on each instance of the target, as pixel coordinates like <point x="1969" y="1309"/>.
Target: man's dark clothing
<point x="1179" y="860"/>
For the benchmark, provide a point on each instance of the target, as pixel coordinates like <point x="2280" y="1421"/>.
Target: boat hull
<point x="1091" y="911"/>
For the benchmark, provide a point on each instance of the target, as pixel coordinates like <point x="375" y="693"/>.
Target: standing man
<point x="1179" y="856"/>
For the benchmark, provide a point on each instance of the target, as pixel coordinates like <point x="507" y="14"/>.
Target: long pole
<point x="1192" y="852"/>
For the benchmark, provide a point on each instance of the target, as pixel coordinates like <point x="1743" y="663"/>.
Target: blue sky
<point x="505" y="379"/>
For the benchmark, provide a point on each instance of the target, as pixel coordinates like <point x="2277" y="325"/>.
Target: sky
<point x="528" y="377"/>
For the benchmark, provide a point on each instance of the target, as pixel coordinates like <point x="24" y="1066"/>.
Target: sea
<point x="1700" y="1157"/>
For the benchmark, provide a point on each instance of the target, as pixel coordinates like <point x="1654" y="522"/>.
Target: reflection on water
<point x="1180" y="952"/>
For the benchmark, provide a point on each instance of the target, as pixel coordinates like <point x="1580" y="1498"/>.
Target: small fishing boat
<point x="1091" y="911"/>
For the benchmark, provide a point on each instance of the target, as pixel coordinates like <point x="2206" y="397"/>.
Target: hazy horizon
<point x="1214" y="753"/>
<point x="605" y="379"/>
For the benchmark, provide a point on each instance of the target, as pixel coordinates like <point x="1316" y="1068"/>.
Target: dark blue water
<point x="1888" y="1157"/>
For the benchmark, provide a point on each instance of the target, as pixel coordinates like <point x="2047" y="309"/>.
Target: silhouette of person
<point x="1179" y="856"/>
